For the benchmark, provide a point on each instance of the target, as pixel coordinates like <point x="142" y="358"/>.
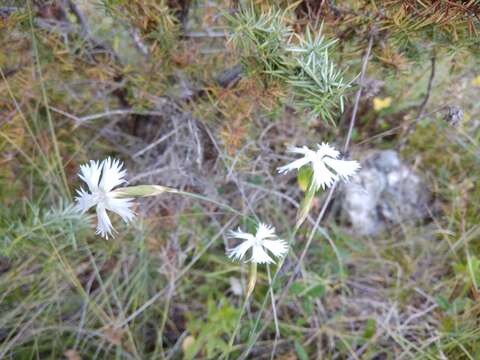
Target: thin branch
<point x="85" y="30"/>
<point x="421" y="109"/>
<point x="157" y="142"/>
<point x="84" y="119"/>
<point x="358" y="95"/>
<point x="7" y="10"/>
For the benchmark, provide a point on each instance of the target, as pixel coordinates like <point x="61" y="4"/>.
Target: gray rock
<point x="385" y="192"/>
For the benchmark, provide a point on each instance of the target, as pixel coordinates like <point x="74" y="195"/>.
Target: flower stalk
<point x="102" y="180"/>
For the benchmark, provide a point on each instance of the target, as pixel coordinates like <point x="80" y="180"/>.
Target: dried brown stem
<point x="421" y="109"/>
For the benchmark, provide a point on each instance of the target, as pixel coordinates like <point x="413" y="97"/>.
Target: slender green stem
<point x="251" y="285"/>
<point x="203" y="198"/>
<point x="27" y="126"/>
<point x="226" y="354"/>
<point x="159" y="345"/>
<point x="58" y="158"/>
<point x="265" y="299"/>
<point x="274" y="310"/>
<point x="155" y="190"/>
<point x="70" y="273"/>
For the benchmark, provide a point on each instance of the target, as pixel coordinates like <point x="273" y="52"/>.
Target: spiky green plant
<point x="302" y="63"/>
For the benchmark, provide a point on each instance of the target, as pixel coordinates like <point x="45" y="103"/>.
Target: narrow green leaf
<point x="300" y="350"/>
<point x="370" y="328"/>
<point x="442" y="302"/>
<point x="296" y="288"/>
<point x="316" y="291"/>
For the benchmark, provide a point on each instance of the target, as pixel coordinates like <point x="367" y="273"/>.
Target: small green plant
<point x="209" y="332"/>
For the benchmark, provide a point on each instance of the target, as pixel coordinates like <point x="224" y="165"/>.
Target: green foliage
<point x="412" y="293"/>
<point x="210" y="331"/>
<point x="261" y="37"/>
<point x="370" y="328"/>
<point x="301" y="352"/>
<point x="301" y="62"/>
<point x="315" y="80"/>
<point x="315" y="290"/>
<point x="61" y="221"/>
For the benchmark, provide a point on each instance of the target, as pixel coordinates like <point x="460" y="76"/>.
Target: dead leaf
<point x="72" y="355"/>
<point x="114" y="335"/>
<point x="187" y="343"/>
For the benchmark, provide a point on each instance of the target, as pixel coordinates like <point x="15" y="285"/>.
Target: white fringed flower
<point x="101" y="179"/>
<point x="264" y="239"/>
<point x="326" y="165"/>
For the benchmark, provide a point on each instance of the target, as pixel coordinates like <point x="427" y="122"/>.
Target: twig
<point x="156" y="142"/>
<point x="421" y="109"/>
<point x="81" y="120"/>
<point x="137" y="40"/>
<point x="178" y="344"/>
<point x="85" y="30"/>
<point x="358" y="95"/>
<point x="7" y="10"/>
<point x="230" y="76"/>
<point x="206" y="34"/>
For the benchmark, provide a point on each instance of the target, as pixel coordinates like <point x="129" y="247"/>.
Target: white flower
<point x="323" y="161"/>
<point x="264" y="239"/>
<point x="101" y="194"/>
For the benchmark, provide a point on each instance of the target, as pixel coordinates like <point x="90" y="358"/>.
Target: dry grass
<point x="141" y="85"/>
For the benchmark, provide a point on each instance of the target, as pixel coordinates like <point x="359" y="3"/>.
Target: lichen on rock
<point x="385" y="192"/>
